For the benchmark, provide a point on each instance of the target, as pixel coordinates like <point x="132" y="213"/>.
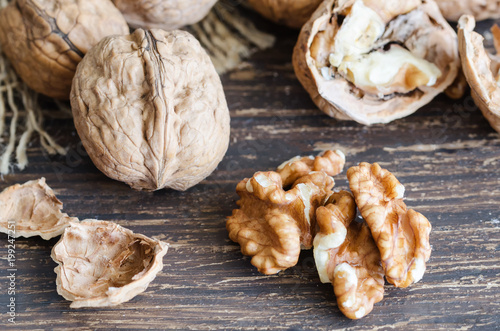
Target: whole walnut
<point x="292" y="13"/>
<point x="163" y="14"/>
<point x="150" y="109"/>
<point x="480" y="9"/>
<point x="46" y="39"/>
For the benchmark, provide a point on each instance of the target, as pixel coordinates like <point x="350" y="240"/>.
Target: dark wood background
<point x="446" y="155"/>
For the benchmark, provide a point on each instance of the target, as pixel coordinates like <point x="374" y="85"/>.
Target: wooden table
<point x="446" y="155"/>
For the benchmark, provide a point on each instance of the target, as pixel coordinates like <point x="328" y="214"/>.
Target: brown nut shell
<point x="292" y="13"/>
<point x="45" y="40"/>
<point x="481" y="69"/>
<point x="423" y="31"/>
<point x="150" y="109"/>
<point x="103" y="264"/>
<point x="481" y="9"/>
<point x="163" y="14"/>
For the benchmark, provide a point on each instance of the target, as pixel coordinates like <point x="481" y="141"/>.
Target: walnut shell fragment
<point x="404" y="54"/>
<point x="347" y="256"/>
<point x="272" y="224"/>
<point x="163" y="14"/>
<point x="150" y="109"/>
<point x="32" y="209"/>
<point x="481" y="69"/>
<point x="103" y="264"/>
<point x="401" y="234"/>
<point x="45" y="40"/>
<point x="481" y="9"/>
<point x="292" y="13"/>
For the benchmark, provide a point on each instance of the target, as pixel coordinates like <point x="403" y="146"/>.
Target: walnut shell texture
<point x="34" y="210"/>
<point x="163" y="14"/>
<point x="481" y="9"/>
<point x="423" y="31"/>
<point x="480" y="69"/>
<point x="103" y="264"/>
<point x="46" y="39"/>
<point x="150" y="109"/>
<point x="292" y="13"/>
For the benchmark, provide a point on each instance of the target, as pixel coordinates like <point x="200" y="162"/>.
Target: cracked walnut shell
<point x="346" y="255"/>
<point x="46" y="39"/>
<point x="103" y="264"/>
<point x="272" y="224"/>
<point x="481" y="9"/>
<point x="163" y="14"/>
<point x="375" y="61"/>
<point x="150" y="109"/>
<point x="292" y="13"/>
<point x="401" y="234"/>
<point x="32" y="209"/>
<point x="481" y="69"/>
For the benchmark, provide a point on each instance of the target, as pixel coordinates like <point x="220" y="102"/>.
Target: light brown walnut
<point x="346" y="255"/>
<point x="401" y="234"/>
<point x="292" y="13"/>
<point x="32" y="209"/>
<point x="103" y="264"/>
<point x="46" y="39"/>
<point x="150" y="109"/>
<point x="330" y="162"/>
<point x="272" y="224"/>
<point x="163" y="14"/>
<point x="481" y="69"/>
<point x="480" y="9"/>
<point x="375" y="61"/>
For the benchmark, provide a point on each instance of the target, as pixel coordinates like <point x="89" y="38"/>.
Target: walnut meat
<point x="103" y="264"/>
<point x="32" y="209"/>
<point x="163" y="14"/>
<point x="292" y="13"/>
<point x="481" y="69"/>
<point x="45" y="40"/>
<point x="401" y="234"/>
<point x="271" y="223"/>
<point x="346" y="255"/>
<point x="480" y="9"/>
<point x="375" y="61"/>
<point x="150" y="109"/>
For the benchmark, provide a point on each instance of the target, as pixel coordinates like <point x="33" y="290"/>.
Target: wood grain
<point x="446" y="155"/>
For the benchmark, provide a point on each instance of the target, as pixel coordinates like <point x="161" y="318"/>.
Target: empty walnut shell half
<point x="150" y="109"/>
<point x="32" y="209"/>
<point x="103" y="264"/>
<point x="481" y="69"/>
<point x="375" y="61"/>
<point x="45" y="40"/>
<point x="481" y="9"/>
<point x="292" y="13"/>
<point x="163" y="14"/>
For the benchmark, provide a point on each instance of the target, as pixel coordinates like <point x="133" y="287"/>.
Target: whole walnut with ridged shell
<point x="150" y="109"/>
<point x="46" y="39"/>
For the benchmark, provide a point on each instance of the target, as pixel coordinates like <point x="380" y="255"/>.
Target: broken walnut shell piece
<point x="330" y="162"/>
<point x="103" y="264"/>
<point x="480" y="9"/>
<point x="272" y="224"/>
<point x="33" y="209"/>
<point x="400" y="61"/>
<point x="292" y="13"/>
<point x="401" y="234"/>
<point x="45" y="40"/>
<point x="481" y="69"/>
<point x="346" y="255"/>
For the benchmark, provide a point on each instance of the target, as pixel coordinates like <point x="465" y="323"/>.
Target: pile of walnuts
<point x="293" y="208"/>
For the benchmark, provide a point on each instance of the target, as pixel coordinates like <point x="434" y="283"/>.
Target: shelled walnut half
<point x="292" y="13"/>
<point x="481" y="9"/>
<point x="103" y="264"/>
<point x="32" y="209"/>
<point x="346" y="255"/>
<point x="45" y="40"/>
<point x="481" y="69"/>
<point x="375" y="61"/>
<point x="401" y="234"/>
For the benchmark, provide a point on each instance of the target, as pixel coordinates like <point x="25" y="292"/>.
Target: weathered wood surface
<point x="446" y="155"/>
